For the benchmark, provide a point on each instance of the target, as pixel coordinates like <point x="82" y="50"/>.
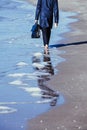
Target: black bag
<point x="35" y="31"/>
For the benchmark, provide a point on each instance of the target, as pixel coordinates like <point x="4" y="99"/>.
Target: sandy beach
<point x="71" y="80"/>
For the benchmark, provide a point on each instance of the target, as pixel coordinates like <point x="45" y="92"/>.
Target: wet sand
<point x="71" y="80"/>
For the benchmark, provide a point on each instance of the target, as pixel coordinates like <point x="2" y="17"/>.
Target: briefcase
<point x="35" y="31"/>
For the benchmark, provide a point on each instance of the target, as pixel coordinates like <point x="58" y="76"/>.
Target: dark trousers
<point x="46" y="32"/>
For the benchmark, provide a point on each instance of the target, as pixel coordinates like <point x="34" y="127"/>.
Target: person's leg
<point x="46" y="32"/>
<point x="49" y="34"/>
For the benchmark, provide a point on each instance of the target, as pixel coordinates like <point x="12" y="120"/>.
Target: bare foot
<point x="46" y="48"/>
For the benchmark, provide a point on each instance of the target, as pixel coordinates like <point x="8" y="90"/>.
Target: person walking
<point x="46" y="10"/>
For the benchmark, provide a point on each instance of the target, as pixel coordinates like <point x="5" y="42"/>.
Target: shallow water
<point x="24" y="67"/>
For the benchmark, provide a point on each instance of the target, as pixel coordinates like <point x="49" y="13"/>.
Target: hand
<point x="36" y="21"/>
<point x="55" y="25"/>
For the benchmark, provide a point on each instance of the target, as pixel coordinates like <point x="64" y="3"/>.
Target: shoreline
<point x="71" y="78"/>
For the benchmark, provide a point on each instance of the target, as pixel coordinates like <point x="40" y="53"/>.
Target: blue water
<point x="24" y="67"/>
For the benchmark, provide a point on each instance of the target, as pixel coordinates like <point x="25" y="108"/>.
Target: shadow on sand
<point x="68" y="44"/>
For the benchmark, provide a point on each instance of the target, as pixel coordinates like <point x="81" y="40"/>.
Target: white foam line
<point x="38" y="54"/>
<point x="31" y="89"/>
<point x="17" y="75"/>
<point x="36" y="94"/>
<point x="5" y="110"/>
<point x="38" y="65"/>
<point x="21" y="64"/>
<point x="16" y="103"/>
<point x="18" y="82"/>
<point x="29" y="75"/>
<point x="14" y="75"/>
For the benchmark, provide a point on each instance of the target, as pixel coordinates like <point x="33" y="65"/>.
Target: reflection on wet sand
<point x="46" y="71"/>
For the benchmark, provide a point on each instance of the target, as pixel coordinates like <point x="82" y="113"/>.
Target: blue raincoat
<point x="45" y="11"/>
